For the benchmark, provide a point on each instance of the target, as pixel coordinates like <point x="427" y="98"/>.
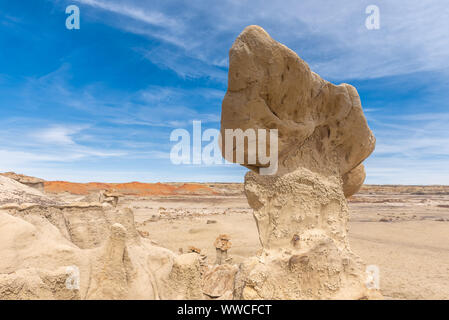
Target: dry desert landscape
<point x="402" y="229"/>
<point x="302" y="226"/>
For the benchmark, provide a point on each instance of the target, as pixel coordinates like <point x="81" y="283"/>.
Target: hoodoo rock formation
<point x="301" y="211"/>
<point x="52" y="249"/>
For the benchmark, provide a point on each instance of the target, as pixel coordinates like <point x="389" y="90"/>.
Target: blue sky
<point x="99" y="103"/>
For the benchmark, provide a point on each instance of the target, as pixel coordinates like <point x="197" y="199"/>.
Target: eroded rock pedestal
<point x="301" y="211"/>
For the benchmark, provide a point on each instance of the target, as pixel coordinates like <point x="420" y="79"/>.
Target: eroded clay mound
<point x="12" y="191"/>
<point x="83" y="251"/>
<point x="26" y="180"/>
<point x="89" y="250"/>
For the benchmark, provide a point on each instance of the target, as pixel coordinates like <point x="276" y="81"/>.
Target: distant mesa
<point x="131" y="188"/>
<point x="127" y="189"/>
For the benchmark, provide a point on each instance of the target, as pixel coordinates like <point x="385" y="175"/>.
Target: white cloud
<point x="136" y="13"/>
<point x="407" y="171"/>
<point x="184" y="63"/>
<point x="411" y="149"/>
<point x="330" y="35"/>
<point x="194" y="39"/>
<point x="57" y="135"/>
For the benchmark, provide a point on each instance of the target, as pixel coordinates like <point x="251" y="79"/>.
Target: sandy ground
<point x="404" y="230"/>
<point x="405" y="234"/>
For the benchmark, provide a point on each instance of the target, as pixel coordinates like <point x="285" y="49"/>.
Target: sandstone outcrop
<point x="109" y="197"/>
<point x="12" y="191"/>
<point x="218" y="281"/>
<point x="301" y="211"/>
<point x="85" y="251"/>
<point x="32" y="182"/>
<point x="353" y="180"/>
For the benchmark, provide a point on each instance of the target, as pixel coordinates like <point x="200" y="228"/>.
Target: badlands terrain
<point x="302" y="226"/>
<point x="402" y="229"/>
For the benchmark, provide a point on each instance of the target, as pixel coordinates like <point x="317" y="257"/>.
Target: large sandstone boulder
<point x="301" y="210"/>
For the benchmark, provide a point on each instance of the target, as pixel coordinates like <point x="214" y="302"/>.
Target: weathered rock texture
<point x="12" y="191"/>
<point x="353" y="180"/>
<point x="44" y="245"/>
<point x="26" y="180"/>
<point x="301" y="211"/>
<point x="218" y="281"/>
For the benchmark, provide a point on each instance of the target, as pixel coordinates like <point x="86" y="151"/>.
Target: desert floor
<point x="405" y="232"/>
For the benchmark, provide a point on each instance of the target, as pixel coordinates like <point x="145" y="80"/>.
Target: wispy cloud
<point x="183" y="64"/>
<point x="411" y="149"/>
<point x="407" y="171"/>
<point x="331" y="36"/>
<point x="146" y="21"/>
<point x="57" y="135"/>
<point x="108" y="127"/>
<point x="136" y="13"/>
<point x="155" y="106"/>
<point x="108" y="109"/>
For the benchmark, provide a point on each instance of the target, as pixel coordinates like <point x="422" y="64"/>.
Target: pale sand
<point x="411" y="246"/>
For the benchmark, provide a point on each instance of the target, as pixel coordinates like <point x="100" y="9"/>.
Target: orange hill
<point x="132" y="188"/>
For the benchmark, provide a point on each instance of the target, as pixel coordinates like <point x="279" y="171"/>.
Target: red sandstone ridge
<point x="132" y="188"/>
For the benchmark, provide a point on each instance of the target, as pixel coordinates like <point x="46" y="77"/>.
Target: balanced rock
<point x="301" y="209"/>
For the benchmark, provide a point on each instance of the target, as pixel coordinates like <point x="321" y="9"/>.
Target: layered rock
<point x="14" y="192"/>
<point x="85" y="251"/>
<point x="32" y="182"/>
<point x="301" y="211"/>
<point x="218" y="281"/>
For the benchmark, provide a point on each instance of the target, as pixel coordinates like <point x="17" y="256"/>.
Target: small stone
<point x="193" y="249"/>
